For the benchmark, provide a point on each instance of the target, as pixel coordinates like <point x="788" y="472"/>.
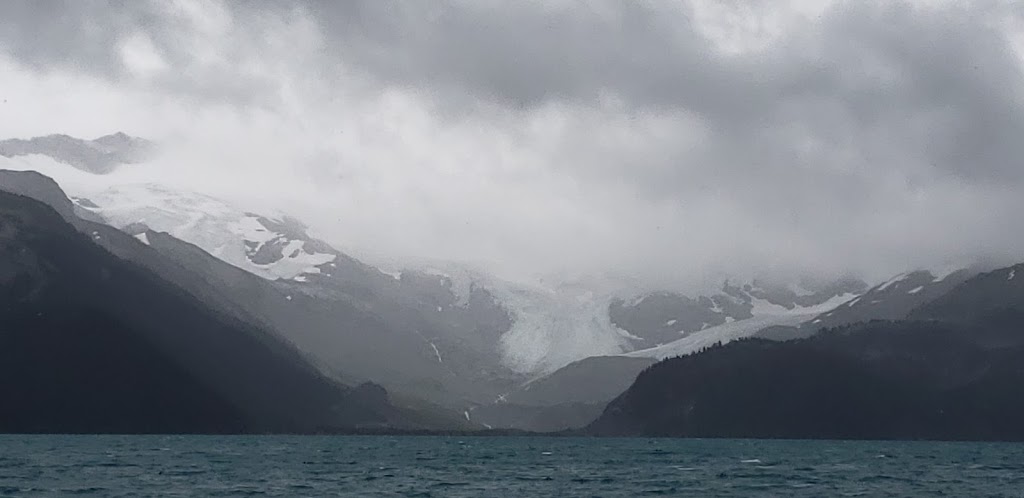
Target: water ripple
<point x="536" y="467"/>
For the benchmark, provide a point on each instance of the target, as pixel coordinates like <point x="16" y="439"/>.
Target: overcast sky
<point x="670" y="142"/>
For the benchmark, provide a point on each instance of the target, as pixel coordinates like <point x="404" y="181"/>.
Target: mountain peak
<point x="100" y="156"/>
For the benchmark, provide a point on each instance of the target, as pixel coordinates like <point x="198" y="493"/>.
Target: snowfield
<point x="765" y="315"/>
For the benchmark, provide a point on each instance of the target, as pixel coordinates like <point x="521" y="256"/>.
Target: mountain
<point x="983" y="295"/>
<point x="99" y="156"/>
<point x="663" y="317"/>
<point x="359" y="340"/>
<point x="578" y="391"/>
<point x="93" y="343"/>
<point x="417" y="333"/>
<point x="445" y="336"/>
<point x="569" y="398"/>
<point x="944" y="375"/>
<point x="660" y="318"/>
<point x="892" y="299"/>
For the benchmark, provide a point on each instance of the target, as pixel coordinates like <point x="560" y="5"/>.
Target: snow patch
<point x="143" y="238"/>
<point x="1013" y="273"/>
<point x="915" y="290"/>
<point x="397" y="275"/>
<point x="436" y="353"/>
<point x="217" y="227"/>
<point x="763" y="307"/>
<point x="722" y="333"/>
<point x="732" y="329"/>
<point x="671" y="323"/>
<point x="941" y="274"/>
<point x="294" y="261"/>
<point x="897" y="278"/>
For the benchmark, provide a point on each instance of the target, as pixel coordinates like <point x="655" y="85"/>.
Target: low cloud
<point x="669" y="143"/>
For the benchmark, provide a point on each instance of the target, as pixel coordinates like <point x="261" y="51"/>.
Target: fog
<point x="670" y="143"/>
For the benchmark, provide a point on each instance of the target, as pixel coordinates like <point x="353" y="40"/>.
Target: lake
<point x="500" y="466"/>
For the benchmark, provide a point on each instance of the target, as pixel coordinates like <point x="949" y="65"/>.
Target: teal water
<point x="528" y="467"/>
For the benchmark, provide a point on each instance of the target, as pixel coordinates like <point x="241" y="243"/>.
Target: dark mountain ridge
<point x="954" y="370"/>
<point x="93" y="343"/>
<point x="333" y="332"/>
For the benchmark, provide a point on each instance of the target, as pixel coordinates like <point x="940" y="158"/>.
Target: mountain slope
<point x="660" y="318"/>
<point x="979" y="296"/>
<point x="577" y="391"/>
<point x="351" y="323"/>
<point x="207" y="371"/>
<point x="958" y="379"/>
<point x="893" y="299"/>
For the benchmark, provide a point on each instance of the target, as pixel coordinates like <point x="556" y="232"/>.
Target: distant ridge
<point x="100" y="156"/>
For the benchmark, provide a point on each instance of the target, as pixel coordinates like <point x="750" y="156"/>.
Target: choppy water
<point x="472" y="467"/>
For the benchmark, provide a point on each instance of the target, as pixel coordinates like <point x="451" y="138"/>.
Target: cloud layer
<point x="673" y="143"/>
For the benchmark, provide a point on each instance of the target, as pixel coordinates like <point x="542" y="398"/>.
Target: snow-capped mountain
<point x="988" y="296"/>
<point x="99" y="156"/>
<point x="663" y="317"/>
<point x="272" y="247"/>
<point x="456" y="336"/>
<point x="526" y="329"/>
<point x="763" y="314"/>
<point x="579" y="389"/>
<point x="893" y="299"/>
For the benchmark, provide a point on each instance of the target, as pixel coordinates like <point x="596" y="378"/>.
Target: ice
<point x="215" y="226"/>
<point x="436" y="353"/>
<point x="722" y="333"/>
<point x="397" y="275"/>
<point x="897" y="278"/>
<point x="553" y="328"/>
<point x="732" y="330"/>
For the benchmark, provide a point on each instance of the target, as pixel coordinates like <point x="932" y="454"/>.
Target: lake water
<point x="484" y="467"/>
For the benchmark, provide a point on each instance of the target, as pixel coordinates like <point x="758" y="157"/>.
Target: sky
<point x="667" y="143"/>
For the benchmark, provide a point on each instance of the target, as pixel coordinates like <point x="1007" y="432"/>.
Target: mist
<point x="669" y="144"/>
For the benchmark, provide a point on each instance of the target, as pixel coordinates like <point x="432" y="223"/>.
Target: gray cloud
<point x="609" y="135"/>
